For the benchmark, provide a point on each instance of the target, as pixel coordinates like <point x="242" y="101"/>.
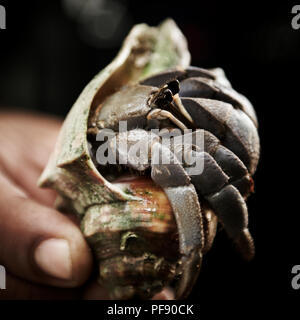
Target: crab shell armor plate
<point x="151" y="231"/>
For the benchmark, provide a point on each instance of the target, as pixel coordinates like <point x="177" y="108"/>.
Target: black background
<point x="45" y="63"/>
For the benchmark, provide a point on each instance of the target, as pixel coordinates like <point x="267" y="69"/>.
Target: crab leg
<point x="232" y="211"/>
<point x="184" y="201"/>
<point x="175" y="182"/>
<point x="215" y="186"/>
<point x="232" y="126"/>
<point x="232" y="166"/>
<point x="226" y="201"/>
<point x="235" y="169"/>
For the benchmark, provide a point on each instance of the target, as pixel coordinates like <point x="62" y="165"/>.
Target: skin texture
<point x="27" y="216"/>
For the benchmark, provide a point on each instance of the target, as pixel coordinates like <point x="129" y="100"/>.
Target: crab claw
<point x="232" y="126"/>
<point x="209" y="89"/>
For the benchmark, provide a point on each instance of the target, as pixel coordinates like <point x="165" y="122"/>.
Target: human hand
<point x="43" y="251"/>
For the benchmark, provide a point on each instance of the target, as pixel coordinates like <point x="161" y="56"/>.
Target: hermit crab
<point x="149" y="222"/>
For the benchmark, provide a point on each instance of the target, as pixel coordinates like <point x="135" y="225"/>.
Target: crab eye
<point x="173" y="86"/>
<point x="165" y="98"/>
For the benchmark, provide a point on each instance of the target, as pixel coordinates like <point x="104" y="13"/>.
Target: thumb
<point x="38" y="243"/>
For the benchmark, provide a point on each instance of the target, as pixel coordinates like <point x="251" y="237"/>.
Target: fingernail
<point x="53" y="257"/>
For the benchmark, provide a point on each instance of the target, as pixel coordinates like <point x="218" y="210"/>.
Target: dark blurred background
<point x="51" y="49"/>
